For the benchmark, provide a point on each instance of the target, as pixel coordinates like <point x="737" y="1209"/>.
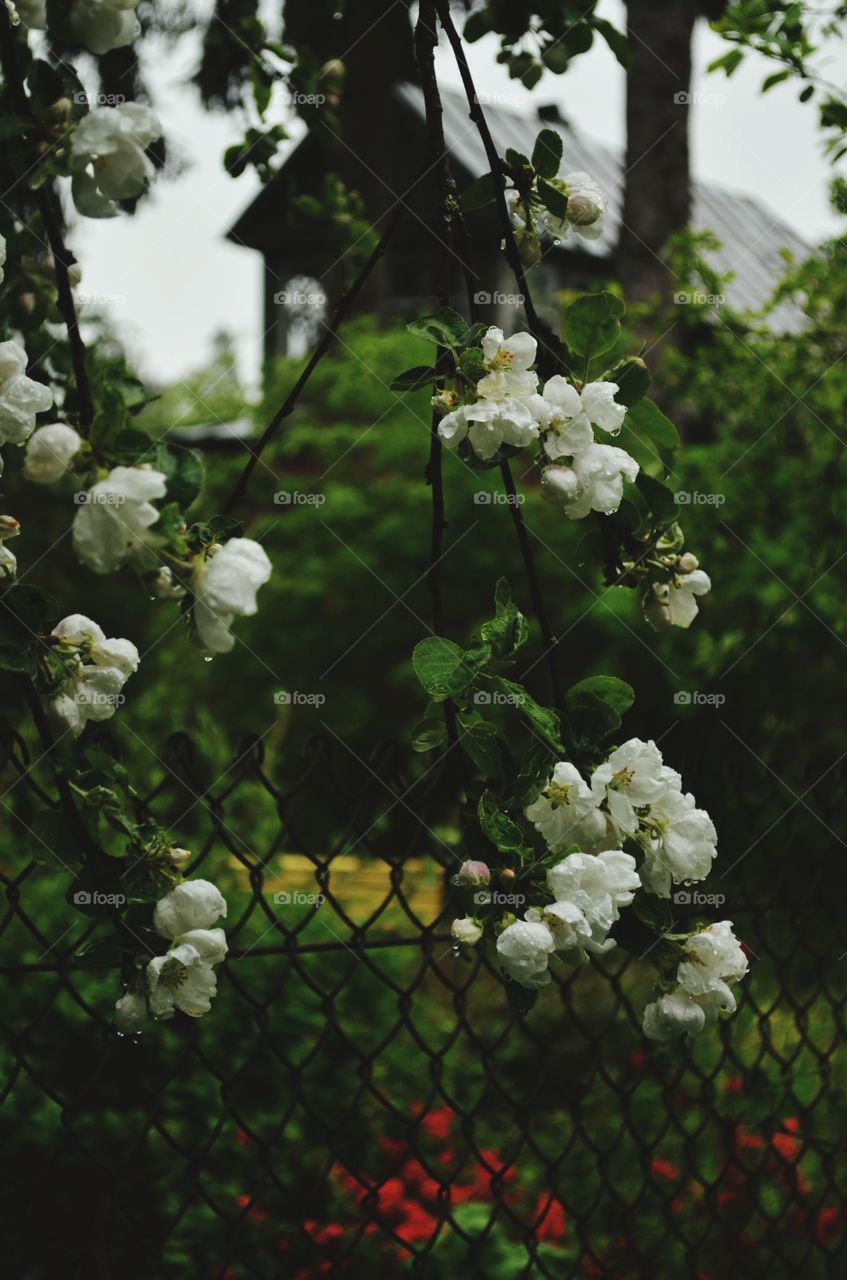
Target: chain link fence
<point x="362" y="1102"/>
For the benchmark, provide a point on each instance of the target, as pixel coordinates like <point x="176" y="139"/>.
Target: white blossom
<point x="673" y="1015"/>
<point x="193" y="904"/>
<point x="567" y="924"/>
<point x="117" y="512"/>
<point x="50" y="451"/>
<point x="524" y="950"/>
<point x="21" y="398"/>
<point x="713" y="959"/>
<point x="566" y="812"/>
<point x="598" y="885"/>
<point x="8" y="563"/>
<point x="674" y="603"/>
<point x="466" y="930"/>
<point x="10" y="527"/>
<point x="679" y="842"/>
<point x="507" y="361"/>
<point x="225" y="583"/>
<point x="96" y="668"/>
<point x="632" y="778"/>
<point x="594" y="481"/>
<point x="561" y="411"/>
<point x="488" y="424"/>
<point x="102" y="25"/>
<point x="180" y="979"/>
<point x="108" y="157"/>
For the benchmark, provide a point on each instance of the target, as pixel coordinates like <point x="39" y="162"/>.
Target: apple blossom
<point x="131" y="1013"/>
<point x="108" y="157"/>
<point x="225" y="583"/>
<point x="630" y="779"/>
<point x="584" y="214"/>
<point x="598" y="885"/>
<point x="679" y="842"/>
<point x="116" y="514"/>
<point x="674" y="603"/>
<point x="566" y="922"/>
<point x="466" y="931"/>
<point x="180" y="979"/>
<point x="596" y="482"/>
<point x="193" y="904"/>
<point x="9" y="528"/>
<point x="50" y="451"/>
<point x="507" y="361"/>
<point x="96" y="669"/>
<point x="713" y="959"/>
<point x="488" y="424"/>
<point x="102" y="25"/>
<point x="8" y="563"/>
<point x="568" y="427"/>
<point x="567" y="812"/>
<point x="524" y="950"/>
<point x="673" y="1015"/>
<point x="21" y="398"/>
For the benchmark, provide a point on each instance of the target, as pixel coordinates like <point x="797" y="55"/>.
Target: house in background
<point x="301" y="265"/>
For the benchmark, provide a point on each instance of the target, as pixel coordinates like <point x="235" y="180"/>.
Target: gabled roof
<point x="753" y="239"/>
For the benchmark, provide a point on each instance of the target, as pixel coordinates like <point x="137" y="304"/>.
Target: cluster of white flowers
<point x="50" y="451"/>
<point x="21" y="398"/>
<point x="584" y="474"/>
<point x="225" y="582"/>
<point x="96" y="670"/>
<point x="108" y="157"/>
<point x="632" y="795"/>
<point x="112" y="523"/>
<point x="184" y="977"/>
<point x="712" y="960"/>
<point x="102" y="25"/>
<point x="674" y="603"/>
<point x="588" y="891"/>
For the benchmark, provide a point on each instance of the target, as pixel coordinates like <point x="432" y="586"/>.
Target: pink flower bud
<point x="474" y="873"/>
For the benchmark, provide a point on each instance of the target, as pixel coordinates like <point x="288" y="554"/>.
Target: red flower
<point x="745" y="1141"/>
<point x="638" y="1059"/>
<point x="827" y="1224"/>
<point x="664" y="1169"/>
<point x="253" y="1211"/>
<point x="734" y="1084"/>
<point x="242" y="1139"/>
<point x="787" y="1145"/>
<point x="438" y="1123"/>
<point x="553" y="1224"/>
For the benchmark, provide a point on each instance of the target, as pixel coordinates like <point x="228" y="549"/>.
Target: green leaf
<point x="428" y="734"/>
<point x="444" y="669"/>
<point x="727" y="62"/>
<point x="481" y="192"/>
<point x="655" y="912"/>
<point x="776" y="78"/>
<point x="477" y="25"/>
<point x="183" y="471"/>
<point x="592" y="323"/>
<point x="516" y="159"/>
<point x="485" y="746"/>
<point x="659" y="497"/>
<point x="413" y="379"/>
<point x="508" y="630"/>
<point x="544" y="720"/>
<point x="592" y="719"/>
<point x="547" y="153"/>
<point x="633" y="379"/>
<point x="130" y="446"/>
<point x="446" y="328"/>
<point x="648" y="417"/>
<point x="616" y="40"/>
<point x="617" y="693"/>
<point x="553" y="199"/>
<point x="501" y="830"/>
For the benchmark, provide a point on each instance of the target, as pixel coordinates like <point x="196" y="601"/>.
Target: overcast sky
<point x="173" y="280"/>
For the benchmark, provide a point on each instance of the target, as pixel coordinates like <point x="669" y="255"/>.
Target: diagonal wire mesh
<point x="361" y="1101"/>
